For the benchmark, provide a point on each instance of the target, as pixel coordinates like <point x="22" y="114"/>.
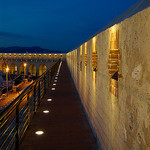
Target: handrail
<point x="15" y="119"/>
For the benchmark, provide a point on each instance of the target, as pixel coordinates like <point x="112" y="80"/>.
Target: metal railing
<point x="15" y="119"/>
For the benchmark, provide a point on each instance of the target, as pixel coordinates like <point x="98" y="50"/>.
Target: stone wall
<point x="112" y="75"/>
<point x="36" y="60"/>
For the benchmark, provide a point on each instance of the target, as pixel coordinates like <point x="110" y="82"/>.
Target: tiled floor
<point x="65" y="127"/>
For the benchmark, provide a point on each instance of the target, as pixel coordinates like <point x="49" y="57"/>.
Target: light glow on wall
<point x="94" y="44"/>
<point x="85" y="48"/>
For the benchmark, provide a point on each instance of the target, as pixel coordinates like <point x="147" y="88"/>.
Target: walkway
<point x="65" y="127"/>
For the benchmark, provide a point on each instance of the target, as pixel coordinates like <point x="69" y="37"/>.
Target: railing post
<point x="28" y="108"/>
<point x="17" y="127"/>
<point x="39" y="94"/>
<point x="48" y="74"/>
<point x="44" y="87"/>
<point x="34" y="98"/>
<point x="50" y="77"/>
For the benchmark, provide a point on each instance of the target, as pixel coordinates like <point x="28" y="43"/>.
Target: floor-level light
<point x="54" y="84"/>
<point x="46" y="111"/>
<point x="53" y="89"/>
<point x="49" y="100"/>
<point x="39" y="132"/>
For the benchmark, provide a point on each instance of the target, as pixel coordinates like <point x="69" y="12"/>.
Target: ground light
<point x="46" y="111"/>
<point x="56" y="77"/>
<point x="53" y="89"/>
<point x="55" y="80"/>
<point x="49" y="100"/>
<point x="39" y="132"/>
<point x="54" y="84"/>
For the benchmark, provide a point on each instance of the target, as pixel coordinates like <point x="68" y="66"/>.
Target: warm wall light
<point x="81" y="58"/>
<point x="25" y="64"/>
<point x="39" y="132"/>
<point x="85" y="47"/>
<point x="7" y="69"/>
<point x="94" y="43"/>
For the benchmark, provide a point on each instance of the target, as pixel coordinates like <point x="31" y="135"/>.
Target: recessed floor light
<point x="55" y="80"/>
<point x="46" y="111"/>
<point x="56" y="77"/>
<point x="53" y="89"/>
<point x="39" y="132"/>
<point x="49" y="100"/>
<point x="54" y="84"/>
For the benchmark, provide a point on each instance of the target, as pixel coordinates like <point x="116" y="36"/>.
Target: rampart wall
<point x="111" y="72"/>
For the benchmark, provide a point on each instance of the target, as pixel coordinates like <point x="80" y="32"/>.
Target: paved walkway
<point x="65" y="127"/>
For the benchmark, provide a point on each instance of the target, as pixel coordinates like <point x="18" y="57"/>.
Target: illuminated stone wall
<point x="33" y="61"/>
<point x="116" y="96"/>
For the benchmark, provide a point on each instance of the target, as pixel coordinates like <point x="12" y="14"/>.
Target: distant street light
<point x="24" y="69"/>
<point x="7" y="70"/>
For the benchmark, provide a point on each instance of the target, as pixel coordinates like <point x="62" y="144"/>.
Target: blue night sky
<point x="55" y="25"/>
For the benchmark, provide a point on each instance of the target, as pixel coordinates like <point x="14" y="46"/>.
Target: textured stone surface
<point x="121" y="122"/>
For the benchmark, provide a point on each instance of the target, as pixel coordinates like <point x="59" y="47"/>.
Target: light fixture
<point x="25" y="64"/>
<point x="54" y="84"/>
<point x="39" y="132"/>
<point x="46" y="111"/>
<point x="56" y="77"/>
<point x="7" y="69"/>
<point x="49" y="100"/>
<point x="55" y="80"/>
<point x="53" y="89"/>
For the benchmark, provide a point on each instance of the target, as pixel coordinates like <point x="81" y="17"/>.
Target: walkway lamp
<point x="7" y="70"/>
<point x="24" y="69"/>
